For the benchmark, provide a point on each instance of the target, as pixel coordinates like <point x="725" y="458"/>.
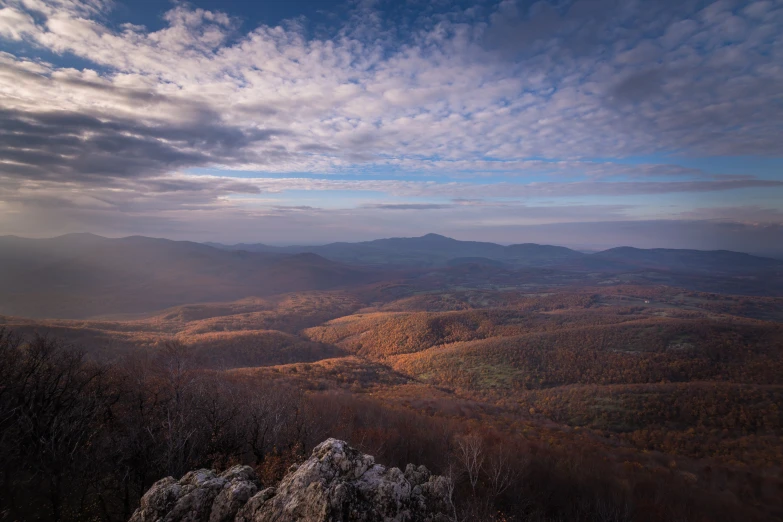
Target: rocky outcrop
<point x="198" y="496"/>
<point x="336" y="484"/>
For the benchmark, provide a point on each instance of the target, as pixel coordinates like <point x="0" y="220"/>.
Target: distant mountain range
<point x="430" y="250"/>
<point x="83" y="275"/>
<point x="433" y="250"/>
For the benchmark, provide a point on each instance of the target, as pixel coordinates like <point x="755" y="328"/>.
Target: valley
<point x="659" y="383"/>
<point x="526" y="352"/>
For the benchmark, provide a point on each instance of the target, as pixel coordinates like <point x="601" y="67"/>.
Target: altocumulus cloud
<point x="535" y="100"/>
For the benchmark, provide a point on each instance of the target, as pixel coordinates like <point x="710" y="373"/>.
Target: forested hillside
<point x="580" y="402"/>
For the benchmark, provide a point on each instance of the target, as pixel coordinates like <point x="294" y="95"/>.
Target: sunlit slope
<point x="250" y="332"/>
<point x="646" y="350"/>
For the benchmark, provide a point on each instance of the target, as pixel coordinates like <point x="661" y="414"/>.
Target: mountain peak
<point x="438" y="237"/>
<point x="79" y="236"/>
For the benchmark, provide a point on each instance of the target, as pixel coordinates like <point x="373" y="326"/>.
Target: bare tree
<point x="471" y="454"/>
<point x="217" y="407"/>
<point x="52" y="406"/>
<point x="265" y="413"/>
<point x="452" y="475"/>
<point x="501" y="470"/>
<point x="177" y="378"/>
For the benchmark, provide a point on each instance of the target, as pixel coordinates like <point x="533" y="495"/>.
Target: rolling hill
<point x="249" y="332"/>
<point x="651" y="380"/>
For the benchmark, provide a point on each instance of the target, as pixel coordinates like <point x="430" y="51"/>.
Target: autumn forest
<point x="542" y="395"/>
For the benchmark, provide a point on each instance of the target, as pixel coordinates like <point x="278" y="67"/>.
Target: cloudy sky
<point x="588" y="123"/>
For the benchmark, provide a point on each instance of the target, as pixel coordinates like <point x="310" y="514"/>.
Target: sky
<point x="586" y="123"/>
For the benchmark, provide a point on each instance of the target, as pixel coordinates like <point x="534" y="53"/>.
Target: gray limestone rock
<point x="336" y="484"/>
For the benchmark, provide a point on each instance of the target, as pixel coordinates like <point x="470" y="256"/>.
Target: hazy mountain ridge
<point x="428" y="250"/>
<point x="95" y="276"/>
<point x="718" y="260"/>
<point x="83" y="275"/>
<point x="437" y="250"/>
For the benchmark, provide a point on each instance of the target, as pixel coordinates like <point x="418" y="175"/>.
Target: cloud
<point x="505" y="189"/>
<point x="548" y="100"/>
<point x="408" y="206"/>
<point x="188" y="213"/>
<point x="754" y="215"/>
<point x="639" y="86"/>
<point x="68" y="145"/>
<point x="14" y="25"/>
<point x="181" y="192"/>
<point x="438" y="94"/>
